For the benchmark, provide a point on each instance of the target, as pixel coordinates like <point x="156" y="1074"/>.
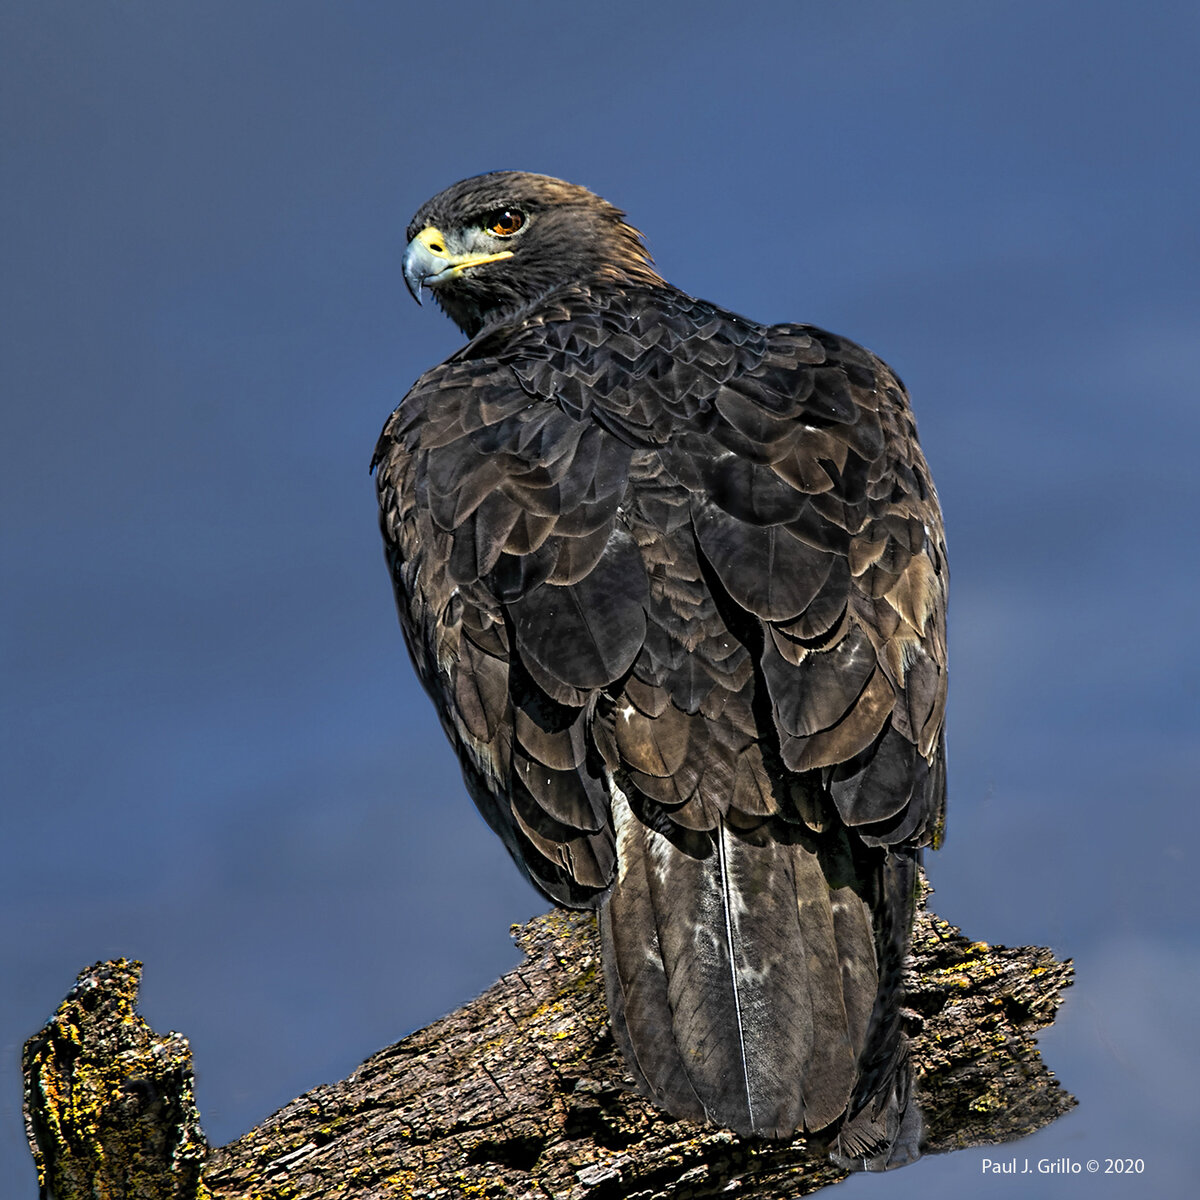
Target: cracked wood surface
<point x="522" y="1092"/>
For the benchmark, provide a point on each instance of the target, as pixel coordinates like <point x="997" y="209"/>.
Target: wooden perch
<point x="521" y="1093"/>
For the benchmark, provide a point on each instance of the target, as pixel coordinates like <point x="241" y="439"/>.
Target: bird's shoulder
<point x="648" y="363"/>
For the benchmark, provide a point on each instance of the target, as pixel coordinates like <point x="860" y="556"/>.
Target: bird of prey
<point x="676" y="583"/>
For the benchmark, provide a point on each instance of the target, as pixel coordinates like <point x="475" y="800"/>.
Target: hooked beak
<point x="428" y="261"/>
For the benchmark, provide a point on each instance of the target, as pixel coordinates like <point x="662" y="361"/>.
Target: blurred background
<point x="216" y="756"/>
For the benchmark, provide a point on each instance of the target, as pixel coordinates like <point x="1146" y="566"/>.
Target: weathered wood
<point x="520" y="1093"/>
<point x="108" y="1101"/>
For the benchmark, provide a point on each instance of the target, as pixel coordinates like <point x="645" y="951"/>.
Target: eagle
<point x="676" y="583"/>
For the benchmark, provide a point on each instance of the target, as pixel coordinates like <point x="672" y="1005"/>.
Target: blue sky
<point x="216" y="757"/>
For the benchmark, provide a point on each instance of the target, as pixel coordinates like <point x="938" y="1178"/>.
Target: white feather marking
<point x="727" y="904"/>
<point x="625" y="824"/>
<point x="661" y="851"/>
<point x="910" y="650"/>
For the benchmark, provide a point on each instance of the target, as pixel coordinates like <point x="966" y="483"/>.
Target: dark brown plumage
<point x="676" y="583"/>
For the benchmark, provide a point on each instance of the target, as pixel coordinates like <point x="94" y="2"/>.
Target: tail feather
<point x="887" y="1132"/>
<point x="636" y="983"/>
<point x="739" y="981"/>
<point x="883" y="1128"/>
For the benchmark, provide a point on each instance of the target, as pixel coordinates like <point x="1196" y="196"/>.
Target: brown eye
<point x="505" y="222"/>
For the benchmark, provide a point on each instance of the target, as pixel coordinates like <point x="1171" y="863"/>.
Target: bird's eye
<point x="504" y="222"/>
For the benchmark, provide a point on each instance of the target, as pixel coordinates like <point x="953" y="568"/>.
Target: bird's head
<point x="490" y="245"/>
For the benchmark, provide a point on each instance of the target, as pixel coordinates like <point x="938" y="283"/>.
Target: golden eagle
<point x="676" y="582"/>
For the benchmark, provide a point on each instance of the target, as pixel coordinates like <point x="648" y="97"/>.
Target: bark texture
<point x="521" y="1093"/>
<point x="109" y="1104"/>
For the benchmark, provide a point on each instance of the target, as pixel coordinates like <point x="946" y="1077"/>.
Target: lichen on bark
<point x="110" y="1109"/>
